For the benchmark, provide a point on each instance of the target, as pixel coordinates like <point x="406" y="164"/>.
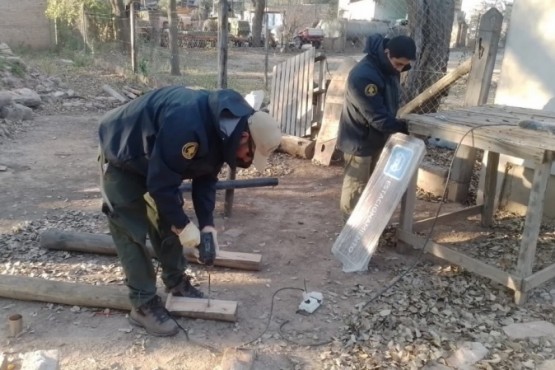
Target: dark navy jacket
<point x="371" y="102"/>
<point x="155" y="134"/>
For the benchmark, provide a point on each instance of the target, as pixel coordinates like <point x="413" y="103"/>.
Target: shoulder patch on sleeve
<point x="371" y="90"/>
<point x="189" y="150"/>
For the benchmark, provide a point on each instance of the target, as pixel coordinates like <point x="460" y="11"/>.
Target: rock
<point x="3" y="359"/>
<point x="66" y="61"/>
<point x="233" y="232"/>
<point x="531" y="329"/>
<point x="40" y="360"/>
<point x="467" y="355"/>
<point x="16" y="112"/>
<point x="547" y="365"/>
<point x="436" y="367"/>
<point x="5" y="49"/>
<point x="27" y="97"/>
<point x="6" y="98"/>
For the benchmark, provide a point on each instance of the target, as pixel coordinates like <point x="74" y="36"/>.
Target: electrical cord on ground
<point x="269" y="316"/>
<point x="420" y="255"/>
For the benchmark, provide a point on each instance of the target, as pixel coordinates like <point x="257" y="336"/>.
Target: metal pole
<point x="237" y="184"/>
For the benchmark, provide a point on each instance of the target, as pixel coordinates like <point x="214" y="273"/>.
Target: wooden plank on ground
<point x="114" y="93"/>
<point x="103" y="244"/>
<point x="237" y="359"/>
<point x="202" y="308"/>
<point x="333" y="104"/>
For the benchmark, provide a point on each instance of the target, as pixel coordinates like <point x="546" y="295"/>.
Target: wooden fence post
<point x="477" y="91"/>
<point x="132" y="36"/>
<point x="222" y="84"/>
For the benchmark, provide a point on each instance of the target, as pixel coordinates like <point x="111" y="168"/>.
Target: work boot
<point x="154" y="317"/>
<point x="185" y="289"/>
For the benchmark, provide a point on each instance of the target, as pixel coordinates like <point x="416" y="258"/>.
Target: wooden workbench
<point x="507" y="139"/>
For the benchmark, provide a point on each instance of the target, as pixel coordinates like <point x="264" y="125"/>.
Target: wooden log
<point x="237" y="359"/>
<point x="297" y="146"/>
<point x="129" y="94"/>
<point x="114" y="93"/>
<point x="440" y="85"/>
<point x="103" y="244"/>
<point x="75" y="294"/>
<point x="134" y="91"/>
<point x="201" y="308"/>
<point x="103" y="296"/>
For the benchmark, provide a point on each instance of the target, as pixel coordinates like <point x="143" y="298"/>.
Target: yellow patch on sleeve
<point x="371" y="90"/>
<point x="189" y="150"/>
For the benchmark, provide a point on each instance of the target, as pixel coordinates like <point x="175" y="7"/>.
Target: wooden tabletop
<point x="504" y="135"/>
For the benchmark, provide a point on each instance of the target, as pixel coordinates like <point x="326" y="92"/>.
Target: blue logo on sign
<point x="398" y="162"/>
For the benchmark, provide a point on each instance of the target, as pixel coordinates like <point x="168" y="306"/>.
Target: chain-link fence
<point x="443" y="32"/>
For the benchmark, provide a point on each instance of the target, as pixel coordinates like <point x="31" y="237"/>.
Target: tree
<point x="430" y="24"/>
<point x="174" y="47"/>
<point x="259" y="6"/>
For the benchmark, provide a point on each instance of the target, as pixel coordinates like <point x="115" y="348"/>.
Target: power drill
<point x="207" y="249"/>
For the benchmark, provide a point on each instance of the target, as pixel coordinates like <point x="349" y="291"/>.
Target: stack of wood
<point x="127" y="93"/>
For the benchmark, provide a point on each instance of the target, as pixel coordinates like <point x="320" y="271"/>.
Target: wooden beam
<point x="333" y="104"/>
<point x="114" y="93"/>
<point x="471" y="264"/>
<point x="237" y="359"/>
<point x="532" y="223"/>
<point x="463" y="213"/>
<point x="440" y="85"/>
<point x="103" y="244"/>
<point x="104" y="296"/>
<point x="202" y="308"/>
<point x="297" y="146"/>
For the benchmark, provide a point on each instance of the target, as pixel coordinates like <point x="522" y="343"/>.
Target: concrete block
<point x="531" y="329"/>
<point x="467" y="355"/>
<point x="431" y="178"/>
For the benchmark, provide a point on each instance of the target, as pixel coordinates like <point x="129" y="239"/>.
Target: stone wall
<point x="23" y="22"/>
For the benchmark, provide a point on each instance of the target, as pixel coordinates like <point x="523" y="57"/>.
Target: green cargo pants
<point x="357" y="172"/>
<point x="134" y="216"/>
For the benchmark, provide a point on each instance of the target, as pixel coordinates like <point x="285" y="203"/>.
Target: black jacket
<point x="371" y="102"/>
<point x="172" y="134"/>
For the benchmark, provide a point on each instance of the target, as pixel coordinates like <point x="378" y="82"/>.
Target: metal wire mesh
<point x="444" y="36"/>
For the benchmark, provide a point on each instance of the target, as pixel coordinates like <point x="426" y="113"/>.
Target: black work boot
<point x="185" y="289"/>
<point x="154" y="317"/>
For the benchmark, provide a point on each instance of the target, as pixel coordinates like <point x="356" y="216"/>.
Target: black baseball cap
<point x="402" y="47"/>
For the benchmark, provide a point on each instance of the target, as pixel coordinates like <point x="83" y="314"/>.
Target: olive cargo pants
<point x="134" y="216"/>
<point x="357" y="172"/>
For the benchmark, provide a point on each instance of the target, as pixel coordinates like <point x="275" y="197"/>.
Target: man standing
<point x="369" y="110"/>
<point x="147" y="148"/>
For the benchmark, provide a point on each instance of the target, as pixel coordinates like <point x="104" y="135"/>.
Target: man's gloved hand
<point x="189" y="237"/>
<point x="208" y="248"/>
<point x="403" y="126"/>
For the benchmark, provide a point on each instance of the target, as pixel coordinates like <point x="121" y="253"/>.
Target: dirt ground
<point x="52" y="172"/>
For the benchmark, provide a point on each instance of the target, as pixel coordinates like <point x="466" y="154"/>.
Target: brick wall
<point x="24" y="22"/>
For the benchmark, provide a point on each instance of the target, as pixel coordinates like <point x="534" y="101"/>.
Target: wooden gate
<point x="291" y="94"/>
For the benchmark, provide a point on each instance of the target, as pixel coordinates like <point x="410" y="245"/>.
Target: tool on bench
<point x="207" y="254"/>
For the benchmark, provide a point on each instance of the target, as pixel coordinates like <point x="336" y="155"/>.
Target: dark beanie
<point x="402" y="47"/>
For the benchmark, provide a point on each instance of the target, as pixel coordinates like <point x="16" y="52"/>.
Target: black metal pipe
<point x="237" y="184"/>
